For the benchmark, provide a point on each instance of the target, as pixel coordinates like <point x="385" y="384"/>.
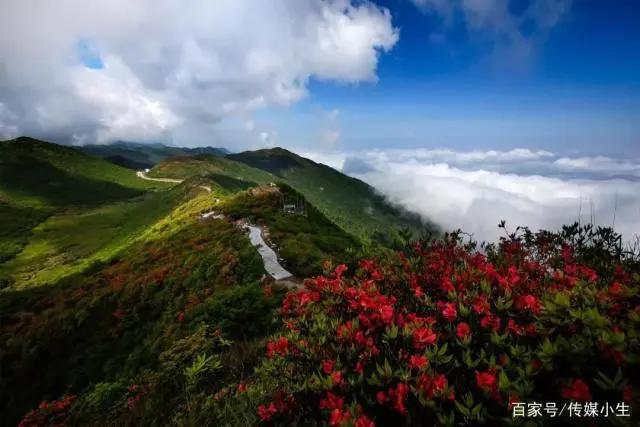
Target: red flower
<point x="486" y="381"/>
<point x="267" y="412"/>
<point x="242" y="388"/>
<point x="481" y="305"/>
<point x="529" y="302"/>
<point x="449" y="312"/>
<point x="423" y="337"/>
<point x="491" y="321"/>
<point x="615" y="289"/>
<point x="398" y="397"/>
<point x="463" y="330"/>
<point x="327" y="366"/>
<point x="363" y="421"/>
<point x="417" y="362"/>
<point x="280" y="347"/>
<point x="336" y="378"/>
<point x="433" y="386"/>
<point x="514" y="328"/>
<point x="577" y="390"/>
<point x="381" y="397"/>
<point x="180" y="316"/>
<point x="338" y="417"/>
<point x="447" y="286"/>
<point x="331" y="402"/>
<point x="627" y="394"/>
<point x="439" y="383"/>
<point x="386" y="312"/>
<point x="417" y="291"/>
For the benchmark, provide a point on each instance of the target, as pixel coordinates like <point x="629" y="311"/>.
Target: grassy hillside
<point x="347" y="201"/>
<point x="38" y="179"/>
<point x="121" y="318"/>
<point x="141" y="293"/>
<point x="70" y="241"/>
<point x="304" y="242"/>
<point x="141" y="156"/>
<point x="126" y="298"/>
<point x="184" y="167"/>
<point x="56" y="175"/>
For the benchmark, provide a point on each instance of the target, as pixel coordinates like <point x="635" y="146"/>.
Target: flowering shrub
<point x="53" y="413"/>
<point x="443" y="333"/>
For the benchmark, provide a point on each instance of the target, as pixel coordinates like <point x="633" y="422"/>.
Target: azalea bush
<point x="446" y="333"/>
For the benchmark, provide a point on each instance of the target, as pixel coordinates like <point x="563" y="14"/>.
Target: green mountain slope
<point x="185" y="167"/>
<point x="304" y="241"/>
<point x="347" y="201"/>
<point x="141" y="291"/>
<point x="350" y="203"/>
<point x="122" y="322"/>
<point x="141" y="156"/>
<point x="72" y="240"/>
<point x="38" y="179"/>
<point x="121" y="293"/>
<point x="58" y="175"/>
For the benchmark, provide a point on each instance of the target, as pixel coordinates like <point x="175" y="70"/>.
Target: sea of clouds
<point x="475" y="190"/>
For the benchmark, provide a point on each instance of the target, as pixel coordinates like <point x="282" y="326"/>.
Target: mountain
<point x="143" y="156"/>
<point x="110" y="283"/>
<point x="350" y="203"/>
<point x="354" y="205"/>
<point x="206" y="165"/>
<point x="39" y="179"/>
<point x="56" y="174"/>
<point x="128" y="301"/>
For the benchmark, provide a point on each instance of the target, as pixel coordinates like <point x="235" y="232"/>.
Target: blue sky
<point x="559" y="75"/>
<point x="579" y="91"/>
<point x="465" y="111"/>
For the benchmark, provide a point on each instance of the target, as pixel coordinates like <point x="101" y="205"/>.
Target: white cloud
<point x="475" y="190"/>
<point x="268" y="139"/>
<point x="173" y="65"/>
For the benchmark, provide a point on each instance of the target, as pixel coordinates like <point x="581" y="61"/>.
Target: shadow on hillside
<point x="230" y="184"/>
<point x="57" y="187"/>
<point x="274" y="161"/>
<point x="16" y="228"/>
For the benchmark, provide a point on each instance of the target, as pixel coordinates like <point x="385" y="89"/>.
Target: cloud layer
<point x="101" y="70"/>
<point x="475" y="190"/>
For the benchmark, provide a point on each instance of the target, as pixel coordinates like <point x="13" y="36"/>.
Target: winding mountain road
<point x="141" y="174"/>
<point x="269" y="256"/>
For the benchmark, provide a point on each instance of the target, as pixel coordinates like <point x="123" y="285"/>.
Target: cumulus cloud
<point x="511" y="31"/>
<point x="107" y="69"/>
<point x="477" y="189"/>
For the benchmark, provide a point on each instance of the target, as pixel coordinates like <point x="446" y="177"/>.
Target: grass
<point x="185" y="167"/>
<point x="69" y="242"/>
<point x="118" y="319"/>
<point x="304" y="242"/>
<point x="58" y="176"/>
<point x="39" y="179"/>
<point x="142" y="156"/>
<point x="114" y="283"/>
<point x="350" y="203"/>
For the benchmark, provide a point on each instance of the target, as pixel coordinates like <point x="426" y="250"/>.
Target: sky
<point x="462" y="110"/>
